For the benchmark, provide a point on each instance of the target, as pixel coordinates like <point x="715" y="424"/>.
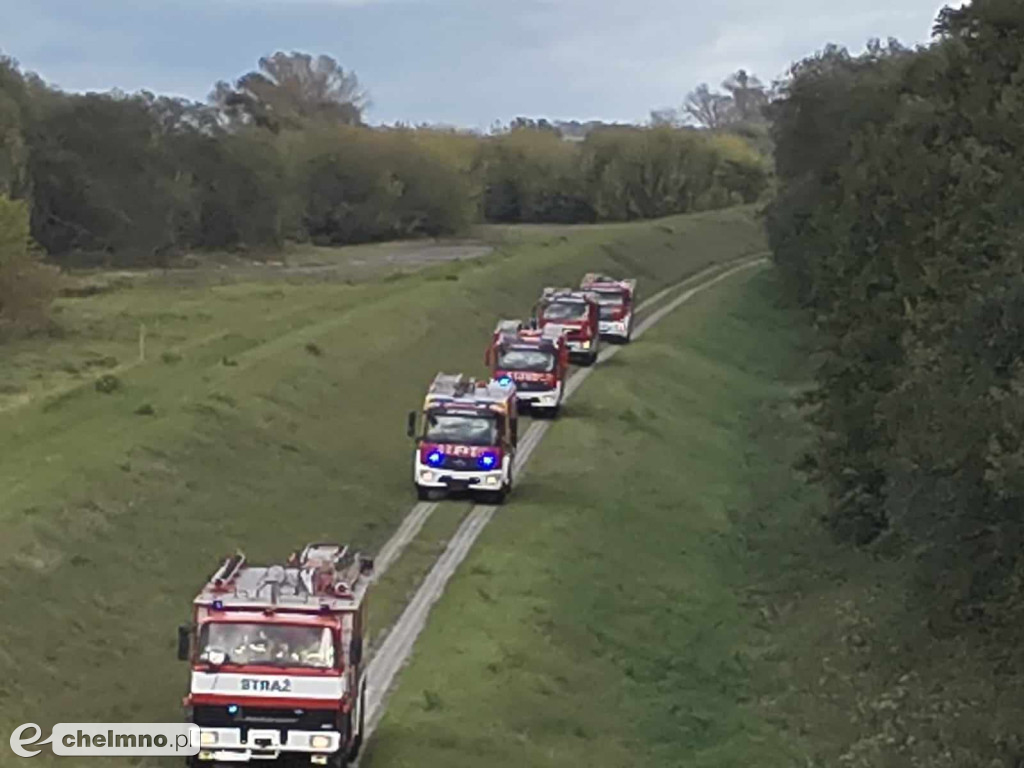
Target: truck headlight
<point x="492" y="480"/>
<point x="207" y="738"/>
<point x="585" y="345"/>
<point x="426" y="476"/>
<point x="319" y="741"/>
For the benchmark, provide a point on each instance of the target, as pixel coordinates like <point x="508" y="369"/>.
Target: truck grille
<point x="460" y="463"/>
<point x="533" y="386"/>
<point x="257" y="717"/>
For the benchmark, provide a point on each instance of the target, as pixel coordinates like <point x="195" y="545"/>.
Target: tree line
<point x="899" y="224"/>
<point x="283" y="154"/>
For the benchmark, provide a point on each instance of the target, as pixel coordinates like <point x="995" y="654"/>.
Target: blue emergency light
<point x="487" y="461"/>
<point x="435" y="458"/>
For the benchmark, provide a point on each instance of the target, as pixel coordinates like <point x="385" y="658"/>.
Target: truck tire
<point x="357" y="742"/>
<point x="423" y="494"/>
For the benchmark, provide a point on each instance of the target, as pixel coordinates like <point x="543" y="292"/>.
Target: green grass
<point x="604" y="617"/>
<point x="111" y="518"/>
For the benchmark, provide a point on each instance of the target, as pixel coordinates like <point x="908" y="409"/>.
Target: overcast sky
<point x="462" y="62"/>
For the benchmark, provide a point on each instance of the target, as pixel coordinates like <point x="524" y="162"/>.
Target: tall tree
<point x="748" y="94"/>
<point x="290" y="89"/>
<point x="707" y="108"/>
<point x="665" y="118"/>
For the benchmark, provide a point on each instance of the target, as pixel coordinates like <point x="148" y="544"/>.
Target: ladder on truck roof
<point x="568" y="294"/>
<point x="552" y="333"/>
<point x="508" y="329"/>
<point x="456" y="386"/>
<point x="593" y="280"/>
<point x="322" y="571"/>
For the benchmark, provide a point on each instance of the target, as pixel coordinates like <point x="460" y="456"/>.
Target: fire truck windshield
<point x="273" y="645"/>
<point x="565" y="310"/>
<point x="610" y="304"/>
<point x="461" y="429"/>
<point x="526" y="360"/>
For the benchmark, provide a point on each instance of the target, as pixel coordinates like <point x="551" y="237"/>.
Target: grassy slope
<point x="110" y="520"/>
<point x="604" y="618"/>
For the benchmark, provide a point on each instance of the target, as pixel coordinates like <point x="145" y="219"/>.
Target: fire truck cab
<point x="465" y="437"/>
<point x="577" y="313"/>
<point x="616" y="299"/>
<point x="277" y="659"/>
<point x="536" y="361"/>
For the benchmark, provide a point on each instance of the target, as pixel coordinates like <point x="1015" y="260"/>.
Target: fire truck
<point x="466" y="437"/>
<point x="536" y="361"/>
<point x="577" y="313"/>
<point x="616" y="299"/>
<point x="277" y="659"/>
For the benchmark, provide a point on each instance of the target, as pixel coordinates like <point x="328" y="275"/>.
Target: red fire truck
<point x="536" y="361"/>
<point x="467" y="437"/>
<point x="277" y="659"/>
<point x="617" y="299"/>
<point x="577" y="313"/>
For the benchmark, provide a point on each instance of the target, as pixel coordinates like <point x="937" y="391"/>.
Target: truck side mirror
<point x="184" y="638"/>
<point x="366" y="565"/>
<point x="355" y="650"/>
<point x="410" y="427"/>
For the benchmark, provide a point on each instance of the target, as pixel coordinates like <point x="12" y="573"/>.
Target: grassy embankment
<point x="662" y="592"/>
<point x="274" y="416"/>
<point x="602" y="618"/>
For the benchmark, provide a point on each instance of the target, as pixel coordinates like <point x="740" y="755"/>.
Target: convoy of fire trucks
<point x="277" y="651"/>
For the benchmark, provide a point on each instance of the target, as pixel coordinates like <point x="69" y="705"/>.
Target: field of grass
<point x="264" y="416"/>
<point x="604" y="618"/>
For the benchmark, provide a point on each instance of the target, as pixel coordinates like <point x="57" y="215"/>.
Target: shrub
<point x="27" y="286"/>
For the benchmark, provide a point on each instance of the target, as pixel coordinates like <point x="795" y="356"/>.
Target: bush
<point x="27" y="286"/>
<point x="899" y="225"/>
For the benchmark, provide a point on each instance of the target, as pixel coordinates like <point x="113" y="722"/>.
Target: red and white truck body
<point x="466" y="437"/>
<point x="577" y="314"/>
<point x="535" y="360"/>
<point x="617" y="300"/>
<point x="276" y="656"/>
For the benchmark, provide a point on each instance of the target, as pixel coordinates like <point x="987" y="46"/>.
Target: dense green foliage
<point x="26" y="286"/>
<point x="899" y="223"/>
<point x="282" y="155"/>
